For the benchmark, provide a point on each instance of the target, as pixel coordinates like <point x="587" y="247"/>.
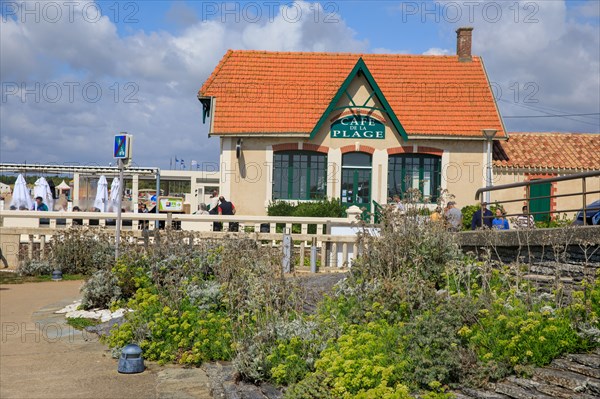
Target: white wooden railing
<point x="335" y="238"/>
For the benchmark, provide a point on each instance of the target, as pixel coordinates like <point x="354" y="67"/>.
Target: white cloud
<point x="148" y="82"/>
<point x="541" y="59"/>
<point x="437" y="51"/>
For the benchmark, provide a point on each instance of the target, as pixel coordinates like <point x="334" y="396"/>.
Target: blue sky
<point x="72" y="81"/>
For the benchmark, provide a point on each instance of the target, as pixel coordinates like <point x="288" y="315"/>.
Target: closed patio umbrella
<point x="114" y="194"/>
<point x="42" y="189"/>
<point x="20" y="195"/>
<point x="101" y="201"/>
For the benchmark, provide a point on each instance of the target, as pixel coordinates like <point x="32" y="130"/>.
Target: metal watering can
<point x="131" y="360"/>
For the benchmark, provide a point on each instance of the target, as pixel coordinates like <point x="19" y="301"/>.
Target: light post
<point x="122" y="153"/>
<point x="121" y="165"/>
<point x="489" y="134"/>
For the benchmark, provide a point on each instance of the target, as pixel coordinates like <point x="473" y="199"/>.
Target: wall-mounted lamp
<point x="238" y="148"/>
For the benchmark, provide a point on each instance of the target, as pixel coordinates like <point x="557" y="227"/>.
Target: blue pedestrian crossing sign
<point x="122" y="148"/>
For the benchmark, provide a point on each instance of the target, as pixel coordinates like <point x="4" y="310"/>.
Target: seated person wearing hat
<point x="488" y="217"/>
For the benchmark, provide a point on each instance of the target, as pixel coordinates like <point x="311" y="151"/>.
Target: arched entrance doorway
<point x="356" y="180"/>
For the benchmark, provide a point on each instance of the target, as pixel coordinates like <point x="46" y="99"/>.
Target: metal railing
<point x="585" y="194"/>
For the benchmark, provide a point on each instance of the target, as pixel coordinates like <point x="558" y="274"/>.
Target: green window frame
<point x="415" y="171"/>
<point x="299" y="175"/>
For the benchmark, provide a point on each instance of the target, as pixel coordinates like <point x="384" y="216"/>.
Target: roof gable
<point x="263" y="93"/>
<point x="360" y="67"/>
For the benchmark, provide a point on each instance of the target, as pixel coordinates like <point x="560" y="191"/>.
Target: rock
<point x="568" y="379"/>
<point x="103" y="329"/>
<point x="69" y="308"/>
<point x="518" y="392"/>
<point x="458" y="395"/>
<point x="270" y="391"/>
<point x="590" y="360"/>
<point x="481" y="394"/>
<point x="577" y="367"/>
<point x="551" y="390"/>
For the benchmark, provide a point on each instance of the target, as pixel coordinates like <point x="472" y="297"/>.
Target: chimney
<point x="463" y="44"/>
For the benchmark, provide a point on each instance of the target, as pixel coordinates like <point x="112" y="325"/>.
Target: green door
<point x="539" y="195"/>
<point x="356" y="181"/>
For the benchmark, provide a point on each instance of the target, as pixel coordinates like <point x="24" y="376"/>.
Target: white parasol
<point x="42" y="189"/>
<point x="63" y="186"/>
<point x="114" y="195"/>
<point x="21" y="196"/>
<point x="101" y="201"/>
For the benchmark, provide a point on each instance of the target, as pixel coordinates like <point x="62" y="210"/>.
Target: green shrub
<point x="408" y="259"/>
<point x="133" y="272"/>
<point x="432" y="344"/>
<point x="34" y="267"/>
<point x="367" y="357"/>
<point x="82" y="251"/>
<point x="287" y="362"/>
<point x="554" y="221"/>
<point x="322" y="208"/>
<point x="100" y="290"/>
<point x="280" y="208"/>
<point x="80" y="323"/>
<point x="512" y="333"/>
<point x="312" y="387"/>
<point x="467" y="214"/>
<point x="183" y="334"/>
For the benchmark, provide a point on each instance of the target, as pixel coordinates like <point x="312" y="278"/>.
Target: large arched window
<point x="299" y="175"/>
<point x="414" y="171"/>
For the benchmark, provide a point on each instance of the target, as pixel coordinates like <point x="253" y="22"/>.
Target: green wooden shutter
<point x="537" y="204"/>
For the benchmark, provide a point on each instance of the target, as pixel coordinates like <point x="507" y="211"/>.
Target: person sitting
<point x="202" y="209"/>
<point x="478" y="222"/>
<point x="525" y="220"/>
<point x="143" y="224"/>
<point x="500" y="222"/>
<point x="436" y="215"/>
<point x="95" y="222"/>
<point x="39" y="205"/>
<point x="77" y="222"/>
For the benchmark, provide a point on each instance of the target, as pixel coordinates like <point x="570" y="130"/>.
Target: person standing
<point x="476" y="220"/>
<point x="227" y="208"/>
<point x="500" y="222"/>
<point x="454" y="217"/>
<point x="213" y="205"/>
<point x="39" y="205"/>
<point x="525" y="220"/>
<point x="213" y="209"/>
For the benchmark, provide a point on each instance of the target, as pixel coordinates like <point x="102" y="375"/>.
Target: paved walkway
<point x="42" y="357"/>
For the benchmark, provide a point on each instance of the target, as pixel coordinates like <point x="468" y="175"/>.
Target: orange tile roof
<point x="580" y="151"/>
<point x="286" y="92"/>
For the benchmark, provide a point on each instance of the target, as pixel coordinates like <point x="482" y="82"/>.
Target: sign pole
<point x="118" y="224"/>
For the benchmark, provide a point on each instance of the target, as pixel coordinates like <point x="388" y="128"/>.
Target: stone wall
<point x="551" y="257"/>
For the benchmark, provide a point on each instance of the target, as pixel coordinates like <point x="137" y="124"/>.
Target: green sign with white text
<point x="357" y="127"/>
